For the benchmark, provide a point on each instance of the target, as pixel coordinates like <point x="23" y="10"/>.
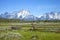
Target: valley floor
<point x="24" y="31"/>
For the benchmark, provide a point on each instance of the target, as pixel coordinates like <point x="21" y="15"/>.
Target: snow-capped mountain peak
<point x="23" y="13"/>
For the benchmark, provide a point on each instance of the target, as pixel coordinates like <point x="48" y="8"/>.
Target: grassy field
<point x="44" y="31"/>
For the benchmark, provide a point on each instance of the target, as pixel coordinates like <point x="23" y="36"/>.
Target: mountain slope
<point x="25" y="15"/>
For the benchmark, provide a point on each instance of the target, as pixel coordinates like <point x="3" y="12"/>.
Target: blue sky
<point x="36" y="7"/>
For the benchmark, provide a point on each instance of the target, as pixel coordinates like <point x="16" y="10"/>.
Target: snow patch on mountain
<point x="23" y="13"/>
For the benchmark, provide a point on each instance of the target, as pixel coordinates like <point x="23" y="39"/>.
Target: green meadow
<point x="25" y="31"/>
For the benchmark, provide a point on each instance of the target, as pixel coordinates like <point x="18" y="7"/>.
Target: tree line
<point x="18" y="20"/>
